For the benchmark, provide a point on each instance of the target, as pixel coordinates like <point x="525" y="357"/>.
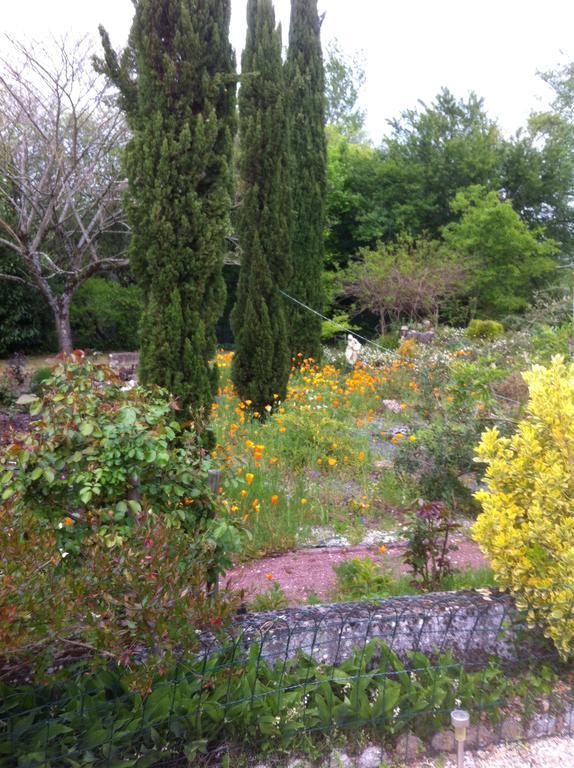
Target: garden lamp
<point x="460" y="719"/>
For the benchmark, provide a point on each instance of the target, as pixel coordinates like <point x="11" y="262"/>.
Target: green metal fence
<point x="272" y="683"/>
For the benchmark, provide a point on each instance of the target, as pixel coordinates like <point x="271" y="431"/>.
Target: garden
<point x="364" y="484"/>
<point x="286" y="419"/>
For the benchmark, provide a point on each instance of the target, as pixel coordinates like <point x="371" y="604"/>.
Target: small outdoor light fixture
<point x="460" y="719"/>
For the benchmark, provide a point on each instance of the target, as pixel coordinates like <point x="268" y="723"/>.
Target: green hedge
<point x="105" y="315"/>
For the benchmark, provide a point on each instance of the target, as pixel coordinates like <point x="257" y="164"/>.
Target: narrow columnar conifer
<point x="306" y="105"/>
<point x="262" y="360"/>
<point x="177" y="85"/>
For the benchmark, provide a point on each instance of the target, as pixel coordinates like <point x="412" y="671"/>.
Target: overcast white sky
<point x="412" y="47"/>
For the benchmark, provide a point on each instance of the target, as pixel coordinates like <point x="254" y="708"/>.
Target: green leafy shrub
<point x="101" y="455"/>
<point x="548" y="341"/>
<point x="26" y="321"/>
<point x="442" y="454"/>
<point x="39" y="379"/>
<point x="105" y="315"/>
<point x="485" y="330"/>
<point x="339" y="325"/>
<point x="390" y="340"/>
<point x="525" y="527"/>
<point x="115" y="497"/>
<point x="361" y="579"/>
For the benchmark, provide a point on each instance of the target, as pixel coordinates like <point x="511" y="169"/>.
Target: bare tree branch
<point x="60" y="174"/>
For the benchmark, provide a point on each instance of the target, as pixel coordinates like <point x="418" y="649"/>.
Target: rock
<point x="340" y="759"/>
<point x="372" y="757"/>
<point x="326" y="537"/>
<point x="409" y="747"/>
<point x="479" y="736"/>
<point x="443" y="741"/>
<point x="298" y="762"/>
<point x="568" y="718"/>
<point x="541" y="725"/>
<point x="376" y="538"/>
<point x="511" y="729"/>
<point x="392" y="405"/>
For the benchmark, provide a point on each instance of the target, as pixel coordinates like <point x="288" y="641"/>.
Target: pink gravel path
<point x="311" y="570"/>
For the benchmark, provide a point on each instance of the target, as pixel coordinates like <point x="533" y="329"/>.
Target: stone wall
<point x="474" y="625"/>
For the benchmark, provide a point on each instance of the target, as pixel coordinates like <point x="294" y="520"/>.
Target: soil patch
<point x="306" y="571"/>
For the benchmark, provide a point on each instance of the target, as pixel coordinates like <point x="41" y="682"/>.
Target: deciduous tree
<point x="60" y="175"/>
<point x="344" y="78"/>
<point x="510" y="260"/>
<point x="404" y="280"/>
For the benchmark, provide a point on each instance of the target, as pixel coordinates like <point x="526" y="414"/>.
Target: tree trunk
<point x="63" y="329"/>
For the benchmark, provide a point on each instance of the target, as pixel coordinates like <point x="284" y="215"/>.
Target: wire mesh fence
<point x="392" y="670"/>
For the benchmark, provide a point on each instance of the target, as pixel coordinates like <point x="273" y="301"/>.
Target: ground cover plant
<point x="99" y="720"/>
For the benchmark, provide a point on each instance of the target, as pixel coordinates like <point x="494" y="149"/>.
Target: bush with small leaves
<point x="525" y="527"/>
<point x="484" y="330"/>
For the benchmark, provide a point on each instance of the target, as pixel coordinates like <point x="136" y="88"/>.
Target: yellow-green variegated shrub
<point x="526" y="527"/>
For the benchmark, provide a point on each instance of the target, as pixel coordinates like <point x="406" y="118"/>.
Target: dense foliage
<point x="243" y="699"/>
<point x="510" y="260"/>
<point x="105" y="315"/>
<point x="306" y="104"/>
<point x="526" y="524"/>
<point x="181" y="109"/>
<point x="105" y="500"/>
<point x="431" y="154"/>
<point x="262" y="361"/>
<point x="26" y="323"/>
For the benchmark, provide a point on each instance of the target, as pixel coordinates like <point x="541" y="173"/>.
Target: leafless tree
<point x="61" y="135"/>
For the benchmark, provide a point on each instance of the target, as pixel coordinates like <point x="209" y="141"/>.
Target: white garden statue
<point x="354" y="346"/>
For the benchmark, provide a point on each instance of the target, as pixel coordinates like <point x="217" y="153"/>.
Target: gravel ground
<point x="311" y="570"/>
<point x="543" y="753"/>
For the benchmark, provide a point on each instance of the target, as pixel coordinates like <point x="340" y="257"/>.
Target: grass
<point x="469" y="578"/>
<point x="364" y="579"/>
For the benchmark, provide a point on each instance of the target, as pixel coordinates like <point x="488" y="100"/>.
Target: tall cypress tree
<point x="262" y="359"/>
<point x="177" y="86"/>
<point x="306" y="85"/>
